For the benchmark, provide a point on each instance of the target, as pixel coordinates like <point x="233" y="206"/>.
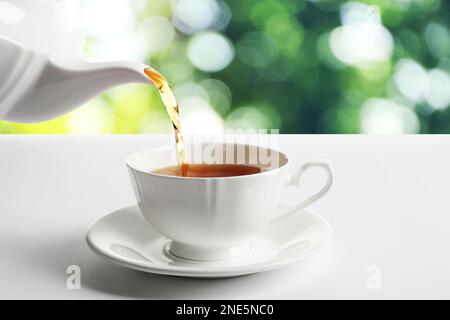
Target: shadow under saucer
<point x="56" y="254"/>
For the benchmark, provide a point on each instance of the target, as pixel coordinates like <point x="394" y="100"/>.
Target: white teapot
<point x="43" y="73"/>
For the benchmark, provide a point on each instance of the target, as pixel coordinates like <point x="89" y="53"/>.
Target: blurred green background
<point x="322" y="66"/>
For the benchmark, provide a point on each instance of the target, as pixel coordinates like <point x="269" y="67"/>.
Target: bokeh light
<point x="190" y="16"/>
<point x="411" y="79"/>
<point x="199" y="117"/>
<point x="437" y="38"/>
<point x="219" y="94"/>
<point x="156" y="34"/>
<point x="210" y="51"/>
<point x="253" y="117"/>
<point x="382" y="116"/>
<point x="437" y="93"/>
<point x="361" y="39"/>
<point x="96" y="118"/>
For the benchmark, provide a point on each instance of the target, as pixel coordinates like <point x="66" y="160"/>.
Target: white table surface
<point x="389" y="208"/>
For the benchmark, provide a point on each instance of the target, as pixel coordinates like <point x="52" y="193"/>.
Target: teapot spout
<point x="105" y="75"/>
<point x="61" y="87"/>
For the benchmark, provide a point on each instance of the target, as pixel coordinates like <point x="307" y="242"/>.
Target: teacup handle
<point x="294" y="180"/>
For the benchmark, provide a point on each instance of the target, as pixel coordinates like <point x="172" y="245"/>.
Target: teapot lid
<point x="49" y="27"/>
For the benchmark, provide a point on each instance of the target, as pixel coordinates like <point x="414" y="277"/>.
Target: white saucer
<point x="127" y="239"/>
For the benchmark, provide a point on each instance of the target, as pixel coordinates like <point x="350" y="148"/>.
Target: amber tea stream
<point x="172" y="108"/>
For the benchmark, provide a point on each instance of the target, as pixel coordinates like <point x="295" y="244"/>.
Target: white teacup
<point x="210" y="219"/>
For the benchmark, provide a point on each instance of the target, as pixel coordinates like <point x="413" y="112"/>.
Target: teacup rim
<point x="169" y="147"/>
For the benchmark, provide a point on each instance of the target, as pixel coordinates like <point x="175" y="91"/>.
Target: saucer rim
<point x="232" y="271"/>
<point x="212" y="271"/>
